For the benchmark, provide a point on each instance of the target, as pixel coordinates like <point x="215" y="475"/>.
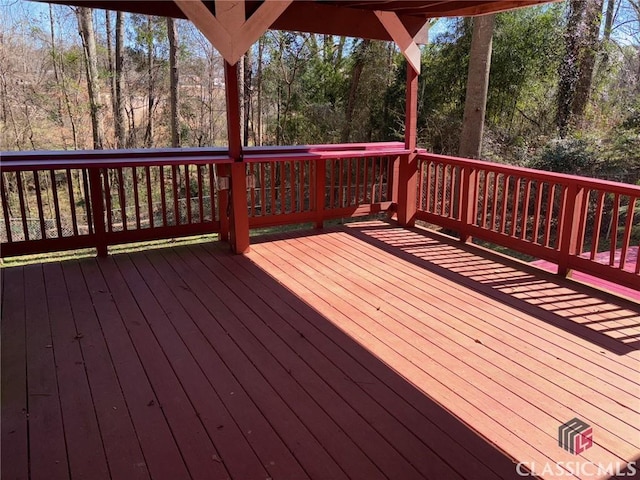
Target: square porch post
<point x="239" y="217"/>
<point x="408" y="170"/>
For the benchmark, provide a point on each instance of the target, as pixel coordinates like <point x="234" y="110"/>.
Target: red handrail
<point x="577" y="222"/>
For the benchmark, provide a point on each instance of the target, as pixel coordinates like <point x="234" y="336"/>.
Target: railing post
<point x="97" y="210"/>
<point x="468" y="200"/>
<point x="239" y="231"/>
<point x="239" y="221"/>
<point x="320" y="193"/>
<point x="571" y="215"/>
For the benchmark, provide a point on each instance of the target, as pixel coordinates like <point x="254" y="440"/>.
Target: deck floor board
<point x="361" y="351"/>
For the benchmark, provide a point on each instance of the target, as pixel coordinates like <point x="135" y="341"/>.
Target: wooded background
<point x="562" y="95"/>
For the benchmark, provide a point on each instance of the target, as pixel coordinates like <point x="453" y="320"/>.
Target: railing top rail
<point x="371" y="146"/>
<point x="16" y="163"/>
<point x="46" y="155"/>
<point x="552" y="177"/>
<point x="322" y="155"/>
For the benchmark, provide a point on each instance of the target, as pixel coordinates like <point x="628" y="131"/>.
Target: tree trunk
<point x="358" y="66"/>
<point x="258" y="126"/>
<point x="148" y="136"/>
<point x="56" y="75"/>
<point x="111" y="64"/>
<point x="246" y="96"/>
<point x="592" y="22"/>
<point x="608" y="19"/>
<point x="173" y="77"/>
<point x="85" y="25"/>
<point x="477" y="86"/>
<point x="119" y="113"/>
<point x="576" y="69"/>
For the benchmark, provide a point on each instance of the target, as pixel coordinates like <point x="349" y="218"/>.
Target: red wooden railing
<point x="576" y="222"/>
<point x="314" y="186"/>
<point x="68" y="200"/>
<point x="73" y="200"/>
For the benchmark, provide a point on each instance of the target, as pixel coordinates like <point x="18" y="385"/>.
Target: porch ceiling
<point x="353" y="18"/>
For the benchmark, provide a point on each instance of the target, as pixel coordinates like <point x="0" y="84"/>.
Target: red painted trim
<point x="28" y="247"/>
<point x="550" y="177"/>
<point x="88" y="162"/>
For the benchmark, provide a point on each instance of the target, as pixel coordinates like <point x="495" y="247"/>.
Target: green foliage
<point x="569" y="155"/>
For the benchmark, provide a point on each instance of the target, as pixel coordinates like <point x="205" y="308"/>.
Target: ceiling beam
<point x="401" y="36"/>
<point x="228" y="30"/>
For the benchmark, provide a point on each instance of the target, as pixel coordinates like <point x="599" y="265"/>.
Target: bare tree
<point x="246" y="95"/>
<point x="173" y="78"/>
<point x="119" y="113"/>
<point x="87" y="33"/>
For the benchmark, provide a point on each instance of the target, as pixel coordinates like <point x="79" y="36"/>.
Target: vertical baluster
<point x="346" y="166"/>
<point x="613" y="226"/>
<point x="537" y="211"/>
<point x="107" y="198"/>
<point x="200" y="194"/>
<point x="187" y="183"/>
<point x="454" y="173"/>
<point x="23" y="210"/>
<point x="505" y="202"/>
<point x="525" y="212"/>
<point x="494" y="211"/>
<point x="516" y="201"/>
<point x="595" y="238"/>
<point x="356" y="182"/>
<point x="427" y="188"/>
<point x="174" y="190"/>
<point x="582" y="223"/>
<point x="263" y="189"/>
<point x="436" y="183"/>
<point x="123" y="201"/>
<point x="563" y="217"/>
<point x="87" y="199"/>
<point x="549" y="215"/>
<point x="56" y="202"/>
<point x="5" y="208"/>
<point x="292" y="184"/>
<point x="43" y="227"/>
<point x="304" y="166"/>
<point x="421" y="205"/>
<point x="380" y="198"/>
<point x="626" y="238"/>
<point x="444" y="180"/>
<point x="147" y="174"/>
<point x="136" y="195"/>
<point x="272" y="187"/>
<point x="283" y="187"/>
<point x="214" y="198"/>
<point x="252" y="191"/>
<point x="163" y="196"/>
<point x="369" y="187"/>
<point x="329" y="163"/>
<point x="340" y="183"/>
<point x="486" y="177"/>
<point x="72" y="202"/>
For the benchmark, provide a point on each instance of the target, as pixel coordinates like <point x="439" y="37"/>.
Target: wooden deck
<point x="362" y="352"/>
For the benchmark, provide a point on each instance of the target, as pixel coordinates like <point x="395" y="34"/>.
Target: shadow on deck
<point x="362" y="352"/>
